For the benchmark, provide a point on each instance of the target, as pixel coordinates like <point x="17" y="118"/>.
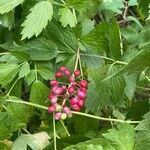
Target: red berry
<point x="58" y="74"/>
<point x="51" y="108"/>
<point x="64" y="87"/>
<point x="53" y="82"/>
<point x="81" y="94"/>
<point x="77" y="73"/>
<point x="73" y="101"/>
<point x="57" y="116"/>
<point x="71" y="89"/>
<point x="80" y="102"/>
<point x="54" y="88"/>
<point x="58" y="90"/>
<point x="66" y="110"/>
<point x="83" y="89"/>
<point x="83" y="83"/>
<point x="75" y="107"/>
<point x="67" y="73"/>
<point x="62" y="68"/>
<point x="71" y="79"/>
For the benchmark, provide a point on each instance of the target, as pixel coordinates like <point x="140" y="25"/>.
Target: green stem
<point x="73" y="112"/>
<point x="54" y="132"/>
<point x="77" y="59"/>
<point x="65" y="127"/>
<point x="80" y="66"/>
<point x="36" y="75"/>
<point x="4" y="53"/>
<point x="27" y="103"/>
<point x="102" y="118"/>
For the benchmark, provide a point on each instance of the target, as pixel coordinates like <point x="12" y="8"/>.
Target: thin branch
<point x="54" y="132"/>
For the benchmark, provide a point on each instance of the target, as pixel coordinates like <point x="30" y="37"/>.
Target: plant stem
<point x="74" y="112"/>
<point x="27" y="103"/>
<point x="80" y="66"/>
<point x="35" y="67"/>
<point x="4" y="53"/>
<point x="54" y="132"/>
<point x="102" y="118"/>
<point x="65" y="127"/>
<point x="77" y="59"/>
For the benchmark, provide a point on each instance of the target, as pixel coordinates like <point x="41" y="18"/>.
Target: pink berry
<point x="66" y="110"/>
<point x="71" y="89"/>
<point x="73" y="101"/>
<point x="81" y="94"/>
<point x="58" y="74"/>
<point x="51" y="108"/>
<point x="83" y="83"/>
<point x="64" y="87"/>
<point x="71" y="79"/>
<point x="83" y="89"/>
<point x="67" y="73"/>
<point x="62" y="68"/>
<point x="54" y="100"/>
<point x="77" y="73"/>
<point x="80" y="102"/>
<point x="53" y="83"/>
<point x="75" y="107"/>
<point x="57" y="115"/>
<point x="54" y="88"/>
<point x="58" y="90"/>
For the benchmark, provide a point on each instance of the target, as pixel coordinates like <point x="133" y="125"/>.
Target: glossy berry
<point x="83" y="83"/>
<point x="53" y="83"/>
<point x="81" y="94"/>
<point x="63" y="116"/>
<point x="71" y="89"/>
<point x="67" y="73"/>
<point x="71" y="79"/>
<point x="64" y="87"/>
<point x="75" y="107"/>
<point x="58" y="74"/>
<point x="57" y="116"/>
<point x="54" y="100"/>
<point x="73" y="101"/>
<point x="62" y="68"/>
<point x="66" y="110"/>
<point x="80" y="103"/>
<point x="51" y="108"/>
<point x="77" y="73"/>
<point x="58" y="91"/>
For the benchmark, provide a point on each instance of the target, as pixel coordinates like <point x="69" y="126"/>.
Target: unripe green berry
<point x="58" y="107"/>
<point x="63" y="116"/>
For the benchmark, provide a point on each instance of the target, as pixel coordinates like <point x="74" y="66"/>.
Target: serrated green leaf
<point x="37" y="20"/>
<point x="37" y="141"/>
<point x="31" y="77"/>
<point x="19" y="112"/>
<point x="39" y="49"/>
<point x="8" y="5"/>
<point x="108" y="93"/>
<point x="8" y="73"/>
<point x="39" y="93"/>
<point x="24" y="70"/>
<point x="121" y="138"/>
<point x="113" y="5"/>
<point x="67" y="17"/>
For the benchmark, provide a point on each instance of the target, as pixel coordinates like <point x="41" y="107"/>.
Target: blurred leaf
<point x="31" y="77"/>
<point x="37" y="20"/>
<point x="39" y="93"/>
<point x="24" y="70"/>
<point x="37" y="141"/>
<point x="8" y="5"/>
<point x="8" y="73"/>
<point x="67" y="17"/>
<point x="121" y="138"/>
<point x="133" y="2"/>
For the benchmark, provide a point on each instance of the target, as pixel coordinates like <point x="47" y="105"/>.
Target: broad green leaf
<point x="7" y="125"/>
<point x="37" y="20"/>
<point x="31" y="77"/>
<point x="143" y="134"/>
<point x="121" y="138"/>
<point x="19" y="112"/>
<point x="7" y="20"/>
<point x="8" y="73"/>
<point x="37" y="141"/>
<point x="24" y="70"/>
<point x="39" y="93"/>
<point x="104" y="93"/>
<point x="133" y="2"/>
<point x="45" y="72"/>
<point x="144" y="7"/>
<point x="113" y="5"/>
<point x="39" y="49"/>
<point x="94" y="144"/>
<point x="8" y="5"/>
<point x="67" y="17"/>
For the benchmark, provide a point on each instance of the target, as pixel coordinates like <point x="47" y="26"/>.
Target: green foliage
<point x="36" y="141"/>
<point x="37" y="20"/>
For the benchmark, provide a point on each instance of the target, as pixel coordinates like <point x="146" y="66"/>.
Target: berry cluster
<point x="65" y="97"/>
